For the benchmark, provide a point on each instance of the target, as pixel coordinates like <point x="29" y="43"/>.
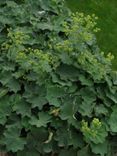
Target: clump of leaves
<point x="58" y="94"/>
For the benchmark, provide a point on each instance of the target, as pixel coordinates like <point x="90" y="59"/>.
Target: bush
<point x="58" y="94"/>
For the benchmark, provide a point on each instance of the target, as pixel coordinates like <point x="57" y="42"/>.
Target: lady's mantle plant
<point x="58" y="95"/>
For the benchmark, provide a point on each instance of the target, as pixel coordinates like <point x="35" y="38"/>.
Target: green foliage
<point x="58" y="95"/>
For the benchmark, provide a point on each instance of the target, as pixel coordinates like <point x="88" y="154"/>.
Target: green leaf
<point x="113" y="97"/>
<point x="100" y="110"/>
<point x="42" y="120"/>
<point x="46" y="67"/>
<point x="68" y="72"/>
<point x="77" y="139"/>
<point x="10" y="82"/>
<point x="63" y="136"/>
<point x="101" y="149"/>
<point x="87" y="105"/>
<point x="66" y="60"/>
<point x="102" y="96"/>
<point x="88" y="94"/>
<point x="21" y="106"/>
<point x="5" y="77"/>
<point x="56" y="79"/>
<point x="12" y="138"/>
<point x="54" y="92"/>
<point x="13" y="85"/>
<point x="25" y="122"/>
<point x="37" y="101"/>
<point x="86" y="108"/>
<point x="84" y="151"/>
<point x="69" y="152"/>
<point x="85" y="81"/>
<point x="35" y="95"/>
<point x="36" y="138"/>
<point x="67" y="109"/>
<point x="113" y="120"/>
<point x="5" y="109"/>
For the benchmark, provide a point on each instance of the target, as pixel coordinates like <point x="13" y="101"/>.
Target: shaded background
<point x="106" y="10"/>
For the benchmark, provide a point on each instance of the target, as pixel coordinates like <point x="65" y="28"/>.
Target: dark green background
<point x="106" y="10"/>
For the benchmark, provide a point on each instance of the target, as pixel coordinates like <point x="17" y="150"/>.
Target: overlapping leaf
<point x="41" y="121"/>
<point x="12" y="138"/>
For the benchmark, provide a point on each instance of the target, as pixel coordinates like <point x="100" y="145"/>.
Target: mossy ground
<point x="106" y="10"/>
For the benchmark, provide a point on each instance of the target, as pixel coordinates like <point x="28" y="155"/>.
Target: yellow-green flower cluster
<point x="110" y="57"/>
<point x="78" y="21"/>
<point x="79" y="31"/>
<point x="17" y="36"/>
<point x="96" y="123"/>
<point x="65" y="46"/>
<point x="91" y="131"/>
<point x="90" y="63"/>
<point x="21" y="55"/>
<point x="42" y="56"/>
<point x="37" y="59"/>
<point x="85" y="128"/>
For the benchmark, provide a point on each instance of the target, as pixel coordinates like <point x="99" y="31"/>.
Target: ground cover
<point x="58" y="94"/>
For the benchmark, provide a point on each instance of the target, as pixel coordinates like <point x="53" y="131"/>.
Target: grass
<point x="106" y="10"/>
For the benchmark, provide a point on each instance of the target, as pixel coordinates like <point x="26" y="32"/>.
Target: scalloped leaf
<point x="41" y="121"/>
